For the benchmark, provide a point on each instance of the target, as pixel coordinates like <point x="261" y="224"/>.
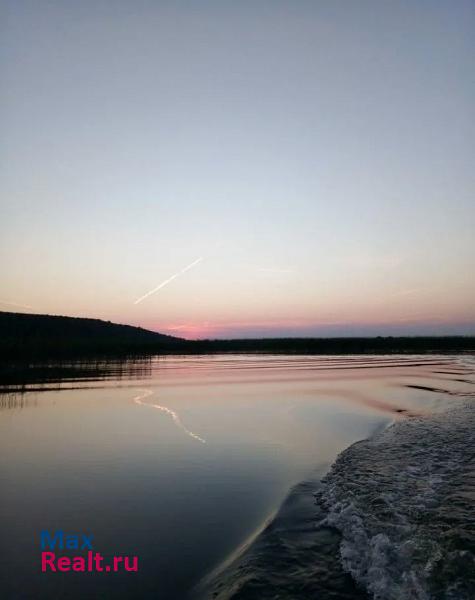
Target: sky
<point x="238" y="169"/>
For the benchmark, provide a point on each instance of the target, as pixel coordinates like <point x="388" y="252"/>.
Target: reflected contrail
<point x="167" y="281"/>
<point x="146" y="393"/>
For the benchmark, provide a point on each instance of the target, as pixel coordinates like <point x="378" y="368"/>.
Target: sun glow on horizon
<point x="316" y="169"/>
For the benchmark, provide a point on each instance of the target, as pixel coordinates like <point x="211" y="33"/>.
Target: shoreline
<point x="37" y="337"/>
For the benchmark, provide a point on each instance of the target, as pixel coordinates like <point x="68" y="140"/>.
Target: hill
<point x="44" y="336"/>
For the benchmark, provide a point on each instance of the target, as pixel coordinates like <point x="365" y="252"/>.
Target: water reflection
<point x="17" y="401"/>
<point x="118" y="449"/>
<point x="168" y="411"/>
<point x="24" y="377"/>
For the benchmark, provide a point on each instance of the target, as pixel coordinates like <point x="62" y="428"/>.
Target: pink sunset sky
<point x="242" y="170"/>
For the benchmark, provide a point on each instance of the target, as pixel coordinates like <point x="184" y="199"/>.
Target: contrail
<point x="169" y="411"/>
<point x="167" y="281"/>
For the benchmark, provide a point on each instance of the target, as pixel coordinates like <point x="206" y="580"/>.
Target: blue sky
<point x="316" y="156"/>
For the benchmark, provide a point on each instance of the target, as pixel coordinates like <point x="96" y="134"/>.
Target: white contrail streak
<point x="167" y="281"/>
<point x="176" y="419"/>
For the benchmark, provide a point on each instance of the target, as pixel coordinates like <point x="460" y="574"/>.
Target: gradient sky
<point x="317" y="156"/>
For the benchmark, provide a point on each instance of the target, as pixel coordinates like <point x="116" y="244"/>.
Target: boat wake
<point x="403" y="503"/>
<point x="393" y="520"/>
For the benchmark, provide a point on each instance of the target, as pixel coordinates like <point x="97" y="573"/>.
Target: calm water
<point x="183" y="461"/>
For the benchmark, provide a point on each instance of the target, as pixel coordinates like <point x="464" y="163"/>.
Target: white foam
<point x="402" y="504"/>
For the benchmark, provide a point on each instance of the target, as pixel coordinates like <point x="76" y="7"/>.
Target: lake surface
<point x="183" y="461"/>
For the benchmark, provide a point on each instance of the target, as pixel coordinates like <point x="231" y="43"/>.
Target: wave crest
<point x="403" y="502"/>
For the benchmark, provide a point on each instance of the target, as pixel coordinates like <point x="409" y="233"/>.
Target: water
<point x="404" y="503"/>
<point x="206" y="469"/>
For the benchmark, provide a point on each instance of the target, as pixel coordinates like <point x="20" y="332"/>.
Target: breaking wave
<point x="403" y="502"/>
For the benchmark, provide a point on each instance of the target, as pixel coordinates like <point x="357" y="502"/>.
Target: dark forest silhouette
<point x="43" y="337"/>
